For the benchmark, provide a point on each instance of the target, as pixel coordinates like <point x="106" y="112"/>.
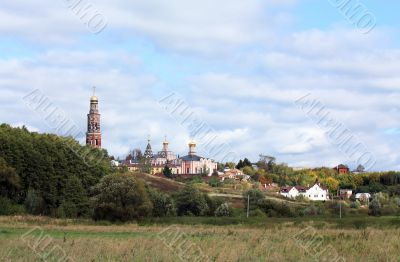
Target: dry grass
<point x="84" y="242"/>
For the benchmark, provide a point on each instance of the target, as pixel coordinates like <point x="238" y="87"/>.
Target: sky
<point x="238" y="66"/>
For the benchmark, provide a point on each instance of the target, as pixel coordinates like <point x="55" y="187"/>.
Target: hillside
<point x="48" y="174"/>
<point x="235" y="199"/>
<point x="160" y="183"/>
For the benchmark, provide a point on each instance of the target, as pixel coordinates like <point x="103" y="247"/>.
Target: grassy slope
<point x="171" y="186"/>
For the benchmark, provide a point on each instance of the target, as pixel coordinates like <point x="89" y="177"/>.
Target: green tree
<point x="34" y="203"/>
<point x="121" y="197"/>
<point x="167" y="172"/>
<point x="190" y="201"/>
<point x="163" y="204"/>
<point x="76" y="202"/>
<point x="43" y="165"/>
<point x="224" y="210"/>
<point x="205" y="171"/>
<point x="231" y="165"/>
<point x="240" y="164"/>
<point x="375" y="207"/>
<point x="248" y="170"/>
<point x="10" y="182"/>
<point x="254" y="196"/>
<point x="214" y="182"/>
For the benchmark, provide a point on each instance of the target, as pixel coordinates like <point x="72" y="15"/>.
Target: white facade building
<point x="314" y="193"/>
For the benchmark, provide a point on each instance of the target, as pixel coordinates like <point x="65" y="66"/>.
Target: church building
<point x="93" y="135"/>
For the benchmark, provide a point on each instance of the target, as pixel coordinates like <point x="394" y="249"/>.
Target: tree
<point x="205" y="171"/>
<point x="43" y="164"/>
<point x="246" y="162"/>
<point x="121" y="197"/>
<point x="231" y="165"/>
<point x="220" y="167"/>
<point x="375" y="207"/>
<point x="360" y="168"/>
<point x="266" y="162"/>
<point x="75" y="202"/>
<point x="332" y="184"/>
<point x="167" y="172"/>
<point x="163" y="205"/>
<point x="248" y="170"/>
<point x="190" y="201"/>
<point x="224" y="210"/>
<point x="240" y="164"/>
<point x="214" y="182"/>
<point x="34" y="203"/>
<point x="255" y="196"/>
<point x="10" y="182"/>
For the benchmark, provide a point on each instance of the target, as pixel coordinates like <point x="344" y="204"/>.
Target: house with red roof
<point x="342" y="169"/>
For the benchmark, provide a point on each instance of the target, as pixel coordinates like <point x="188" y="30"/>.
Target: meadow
<point x="28" y="238"/>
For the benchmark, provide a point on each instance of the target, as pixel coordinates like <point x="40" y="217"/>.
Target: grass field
<point x="264" y="239"/>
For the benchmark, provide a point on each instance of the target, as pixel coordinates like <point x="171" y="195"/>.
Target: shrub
<point x="313" y="210"/>
<point x="8" y="207"/>
<point x="34" y="203"/>
<point x="355" y="205"/>
<point x="224" y="210"/>
<point x="163" y="204"/>
<point x="275" y="208"/>
<point x="213" y="203"/>
<point x="214" y="182"/>
<point x="121" y="197"/>
<point x="255" y="196"/>
<point x="190" y="201"/>
<point x="375" y="207"/>
<point x="390" y="210"/>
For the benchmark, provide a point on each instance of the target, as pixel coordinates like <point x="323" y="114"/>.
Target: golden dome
<point x="192" y="143"/>
<point x="94" y="98"/>
<point x="165" y="140"/>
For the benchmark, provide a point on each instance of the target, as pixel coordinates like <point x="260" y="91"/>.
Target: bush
<point x="255" y="196"/>
<point x="214" y="182"/>
<point x="375" y="207"/>
<point x="163" y="204"/>
<point x="8" y="207"/>
<point x="224" y="210"/>
<point x="213" y="203"/>
<point x="355" y="205"/>
<point x="275" y="208"/>
<point x="34" y="203"/>
<point x="313" y="211"/>
<point x="191" y="202"/>
<point x="390" y="210"/>
<point x="121" y="197"/>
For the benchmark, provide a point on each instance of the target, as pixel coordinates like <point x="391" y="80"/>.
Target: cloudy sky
<point x="239" y="66"/>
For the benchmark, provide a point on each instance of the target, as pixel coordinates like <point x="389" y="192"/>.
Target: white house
<point x="290" y="192"/>
<point x="363" y="196"/>
<point x="314" y="193"/>
<point x="317" y="193"/>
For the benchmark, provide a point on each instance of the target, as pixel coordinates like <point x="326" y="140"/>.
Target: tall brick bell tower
<point x="93" y="135"/>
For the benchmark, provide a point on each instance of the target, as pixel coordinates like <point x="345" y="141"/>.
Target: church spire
<point x="149" y="152"/>
<point x="93" y="135"/>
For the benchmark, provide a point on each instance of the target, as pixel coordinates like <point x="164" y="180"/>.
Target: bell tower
<point x="93" y="135"/>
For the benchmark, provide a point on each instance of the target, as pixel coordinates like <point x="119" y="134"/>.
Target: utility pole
<point x="248" y="205"/>
<point x="340" y="208"/>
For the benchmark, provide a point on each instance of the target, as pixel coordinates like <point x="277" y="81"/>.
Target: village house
<point x="235" y="174"/>
<point x="314" y="193"/>
<point x="363" y="197"/>
<point x="345" y="193"/>
<point x="342" y="169"/>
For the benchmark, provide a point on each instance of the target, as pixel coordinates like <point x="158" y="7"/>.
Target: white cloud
<point x="245" y="72"/>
